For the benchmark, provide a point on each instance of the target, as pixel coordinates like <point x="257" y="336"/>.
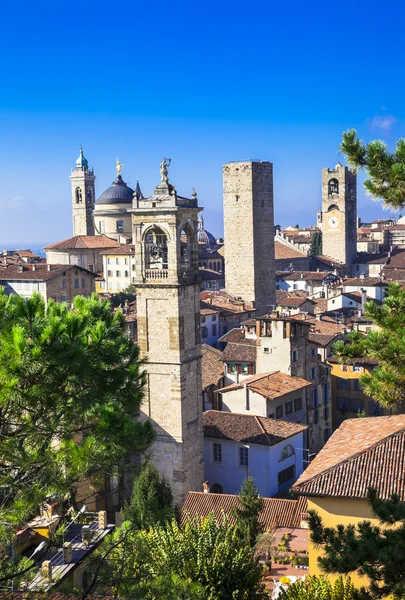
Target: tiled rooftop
<point x="212" y="366"/>
<point x="270" y="385"/>
<point x="362" y="453"/>
<point x="83" y="241"/>
<point x="41" y="272"/>
<point x="248" y="428"/>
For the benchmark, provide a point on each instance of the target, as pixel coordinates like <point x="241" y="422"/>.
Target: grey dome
<point x="204" y="236"/>
<point x="117" y="193"/>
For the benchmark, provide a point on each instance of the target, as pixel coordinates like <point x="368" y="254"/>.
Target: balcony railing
<point x="156" y="274"/>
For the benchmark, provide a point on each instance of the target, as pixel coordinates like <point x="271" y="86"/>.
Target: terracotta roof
<point x="212" y="367"/>
<point x="366" y="281"/>
<point x="206" y="309"/>
<point x="326" y="324"/>
<point x="236" y="335"/>
<point x="270" y="385"/>
<point x="327" y="260"/>
<point x="282" y="251"/>
<point x="247" y="428"/>
<point x="277" y="512"/>
<point x="393" y="274"/>
<point x="322" y="339"/>
<point x="305" y="275"/>
<point x="121" y="249"/>
<point x="84" y="241"/>
<point x="362" y="453"/>
<point x="294" y="301"/>
<point x="42" y="272"/>
<point x="240" y="353"/>
<point x="225" y="302"/>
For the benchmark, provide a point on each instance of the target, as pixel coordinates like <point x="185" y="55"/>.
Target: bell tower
<point x="165" y="229"/>
<point x="83" y="197"/>
<point x="339" y="215"/>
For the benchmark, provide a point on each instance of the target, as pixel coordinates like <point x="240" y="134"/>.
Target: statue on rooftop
<point x="118" y="167"/>
<point x="164" y="174"/>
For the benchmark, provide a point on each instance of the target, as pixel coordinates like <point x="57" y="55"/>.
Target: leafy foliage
<point x="386" y="383"/>
<point x="200" y="559"/>
<point x="70" y="389"/>
<point x="247" y="514"/>
<point x="386" y="170"/>
<point x="319" y="588"/>
<point x="315" y="248"/>
<point x="127" y="295"/>
<point x="151" y="501"/>
<point x="374" y="551"/>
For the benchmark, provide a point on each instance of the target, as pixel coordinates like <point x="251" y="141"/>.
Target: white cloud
<point x="383" y="122"/>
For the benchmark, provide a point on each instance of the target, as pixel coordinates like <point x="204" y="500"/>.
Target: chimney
<point x="302" y="275"/>
<point x="206" y="487"/>
<point x="362" y="276"/>
<point x="34" y="268"/>
<point x="20" y="269"/>
<point x="102" y="519"/>
<point x="318" y="270"/>
<point x="363" y="299"/>
<point x="48" y="267"/>
<point x="318" y="316"/>
<point x="275" y="314"/>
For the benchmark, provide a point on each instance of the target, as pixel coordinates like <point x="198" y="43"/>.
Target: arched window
<point x="286" y="452"/>
<point x="186" y="237"/>
<point x="210" y="265"/>
<point x="217" y="488"/>
<point x="78" y="195"/>
<point x="333" y="207"/>
<point x="89" y="196"/>
<point x="156" y="249"/>
<point x="333" y="187"/>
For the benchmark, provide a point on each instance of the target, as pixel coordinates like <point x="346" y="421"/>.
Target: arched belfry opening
<point x="186" y="242"/>
<point x="333" y="187"/>
<point x="79" y="197"/>
<point x="156" y="249"/>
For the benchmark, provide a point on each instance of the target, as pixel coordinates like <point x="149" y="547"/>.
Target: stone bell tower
<point x="83" y="197"/>
<point x="339" y="215"/>
<point x="165" y="231"/>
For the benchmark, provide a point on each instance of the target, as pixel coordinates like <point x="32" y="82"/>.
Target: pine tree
<point x="386" y="346"/>
<point x="248" y="511"/>
<point x="315" y="248"/>
<point x="373" y="551"/>
<point x="151" y="501"/>
<point x="386" y="170"/>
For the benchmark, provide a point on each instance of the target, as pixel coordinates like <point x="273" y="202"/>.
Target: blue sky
<point x="202" y="83"/>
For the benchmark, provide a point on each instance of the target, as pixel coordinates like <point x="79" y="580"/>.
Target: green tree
<point x="152" y="499"/>
<point x="373" y="551"/>
<point x="315" y="248"/>
<point x="71" y="385"/>
<point x="247" y="513"/>
<point x="127" y="295"/>
<point x="386" y="170"/>
<point x="319" y="588"/>
<point x="385" y="345"/>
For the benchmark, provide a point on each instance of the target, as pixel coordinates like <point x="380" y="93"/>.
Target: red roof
<point x="84" y="241"/>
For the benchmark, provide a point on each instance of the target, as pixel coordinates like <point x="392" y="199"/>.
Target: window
<point x="217" y="453"/>
<point x="204" y="332"/>
<point x="63" y="284"/>
<point x="312" y="373"/>
<point x="356" y="385"/>
<point x="118" y="273"/>
<point x="214" y="318"/>
<point x="294" y="355"/>
<point x="325" y="393"/>
<point x="314" y="397"/>
<point x="214" y="330"/>
<point x="203" y="319"/>
<point x="63" y="298"/>
<point x="217" y="488"/>
<point x="357" y="369"/>
<point x="288" y="408"/>
<point x="83" y="282"/>
<point x="109" y="261"/>
<point x="109" y="273"/>
<point x="297" y="404"/>
<point x="126" y="273"/>
<point x="76" y="283"/>
<point x="245" y="368"/>
<point x="286" y="474"/>
<point x="326" y="412"/>
<point x="374" y="408"/>
<point x="286" y="452"/>
<point x="243" y="456"/>
<point x="117" y="261"/>
<point x="91" y="268"/>
<point x="279" y="412"/>
<point x="333" y="188"/>
<point x="101" y="227"/>
<point x="126" y="261"/>
<point x="78" y="195"/>
<point x="232" y="367"/>
<point x="295" y="286"/>
<point x="102" y="285"/>
<point x="343" y="384"/>
<point x="312" y="352"/>
<point x="266" y="350"/>
<point x="133" y="267"/>
<point x="120" y="226"/>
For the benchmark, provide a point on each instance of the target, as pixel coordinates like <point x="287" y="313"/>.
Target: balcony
<point x="156" y="274"/>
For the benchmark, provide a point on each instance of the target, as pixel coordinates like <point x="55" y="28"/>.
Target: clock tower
<point x="83" y="197"/>
<point x="165" y="229"/>
<point x="339" y="215"/>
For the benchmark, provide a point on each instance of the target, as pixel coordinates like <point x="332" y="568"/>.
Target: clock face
<point x="333" y="222"/>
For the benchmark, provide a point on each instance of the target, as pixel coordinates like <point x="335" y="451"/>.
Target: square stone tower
<point x="339" y="215"/>
<point x="249" y="233"/>
<point x="168" y="315"/>
<point x="83" y="197"/>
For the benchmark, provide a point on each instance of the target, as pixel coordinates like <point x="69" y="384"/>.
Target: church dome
<point x="117" y="193"/>
<point x="81" y="162"/>
<point x="204" y="236"/>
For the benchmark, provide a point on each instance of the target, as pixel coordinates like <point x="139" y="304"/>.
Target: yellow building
<point x="348" y="399"/>
<point x="361" y="454"/>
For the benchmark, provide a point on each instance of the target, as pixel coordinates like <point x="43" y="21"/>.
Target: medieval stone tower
<point x="168" y="315"/>
<point x="83" y="197"/>
<point x="339" y="215"/>
<point x="249" y="232"/>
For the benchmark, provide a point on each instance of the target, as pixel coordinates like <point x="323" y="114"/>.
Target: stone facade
<point x="249" y="232"/>
<point x="168" y="317"/>
<point x="339" y="214"/>
<point x="83" y="198"/>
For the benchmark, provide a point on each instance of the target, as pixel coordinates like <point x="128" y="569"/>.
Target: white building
<point x="314" y="283"/>
<point x="118" y="268"/>
<point x="209" y="325"/>
<point x="374" y="287"/>
<point x="239" y="445"/>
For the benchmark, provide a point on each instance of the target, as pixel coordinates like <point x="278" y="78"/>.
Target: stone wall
<point x="249" y="232"/>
